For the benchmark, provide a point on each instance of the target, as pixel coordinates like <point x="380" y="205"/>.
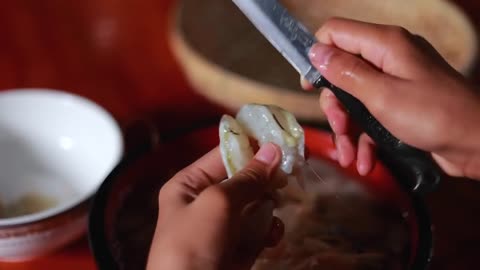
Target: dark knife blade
<point x="285" y="33"/>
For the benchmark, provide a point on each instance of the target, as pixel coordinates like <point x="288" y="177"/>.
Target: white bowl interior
<point x="53" y="145"/>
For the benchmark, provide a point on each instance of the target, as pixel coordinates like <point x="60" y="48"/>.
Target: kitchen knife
<point x="415" y="169"/>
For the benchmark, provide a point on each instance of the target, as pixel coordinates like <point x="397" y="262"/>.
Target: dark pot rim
<point x="105" y="260"/>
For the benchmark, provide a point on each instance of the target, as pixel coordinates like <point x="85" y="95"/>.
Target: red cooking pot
<point x="124" y="210"/>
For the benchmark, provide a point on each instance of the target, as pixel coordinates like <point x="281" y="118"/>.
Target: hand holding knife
<point x="294" y="41"/>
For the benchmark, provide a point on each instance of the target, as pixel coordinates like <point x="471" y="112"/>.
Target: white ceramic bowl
<point x="55" y="148"/>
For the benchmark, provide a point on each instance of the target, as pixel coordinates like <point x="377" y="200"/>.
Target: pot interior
<point x="124" y="213"/>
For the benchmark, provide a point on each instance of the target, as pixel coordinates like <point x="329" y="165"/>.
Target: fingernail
<point x="306" y="85"/>
<point x="335" y="119"/>
<point x="333" y="124"/>
<point x="320" y="55"/>
<point x="267" y="153"/>
<point x="361" y="168"/>
<point x="340" y="143"/>
<point x="340" y="156"/>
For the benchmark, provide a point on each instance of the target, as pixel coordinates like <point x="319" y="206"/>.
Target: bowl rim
<point x="86" y="104"/>
<point x="104" y="258"/>
<point x="51" y="223"/>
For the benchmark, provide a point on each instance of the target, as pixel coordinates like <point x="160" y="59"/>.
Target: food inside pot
<point x="337" y="224"/>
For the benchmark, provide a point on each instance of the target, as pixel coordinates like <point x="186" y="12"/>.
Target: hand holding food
<point x="233" y="218"/>
<point x="207" y="223"/>
<point x="319" y="230"/>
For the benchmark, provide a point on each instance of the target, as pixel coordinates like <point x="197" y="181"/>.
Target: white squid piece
<point x="234" y="145"/>
<point x="264" y="123"/>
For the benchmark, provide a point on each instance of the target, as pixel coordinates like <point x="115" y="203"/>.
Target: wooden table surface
<point x="116" y="53"/>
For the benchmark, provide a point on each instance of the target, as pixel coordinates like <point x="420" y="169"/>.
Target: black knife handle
<point x="414" y="168"/>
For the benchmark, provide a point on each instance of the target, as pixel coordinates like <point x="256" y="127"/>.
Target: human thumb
<point x="252" y="182"/>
